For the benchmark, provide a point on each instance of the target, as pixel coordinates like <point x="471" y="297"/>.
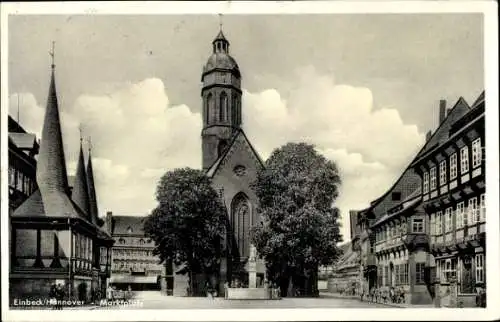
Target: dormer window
<point x="396" y="196"/>
<point x="121" y="241"/>
<point x="129" y="230"/>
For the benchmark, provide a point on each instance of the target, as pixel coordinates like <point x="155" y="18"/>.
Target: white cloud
<point x="137" y="135"/>
<point x="371" y="147"/>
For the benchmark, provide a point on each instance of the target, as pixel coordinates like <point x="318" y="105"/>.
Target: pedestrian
<point x="129" y="292"/>
<point x="53" y="296"/>
<point x="226" y="286"/>
<point x="109" y="293"/>
<point x="59" y="296"/>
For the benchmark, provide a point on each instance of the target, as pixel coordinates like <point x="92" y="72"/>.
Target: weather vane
<point x="220" y="21"/>
<point x="80" y="129"/>
<point x="52" y="54"/>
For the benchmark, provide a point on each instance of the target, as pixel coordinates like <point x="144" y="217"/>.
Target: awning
<point x="134" y="279"/>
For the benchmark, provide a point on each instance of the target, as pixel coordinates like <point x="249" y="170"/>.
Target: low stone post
<point x="252" y="268"/>
<point x="453" y="292"/>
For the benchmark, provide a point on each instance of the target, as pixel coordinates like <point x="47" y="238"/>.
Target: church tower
<point x="221" y="96"/>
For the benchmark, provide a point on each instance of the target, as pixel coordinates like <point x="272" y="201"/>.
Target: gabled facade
<point x="132" y="261"/>
<point x="453" y="196"/>
<point x="407" y="247"/>
<point x="230" y="161"/>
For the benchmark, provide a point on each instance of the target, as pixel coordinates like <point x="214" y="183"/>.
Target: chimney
<point x="428" y="136"/>
<point x="109" y="222"/>
<point x="442" y="111"/>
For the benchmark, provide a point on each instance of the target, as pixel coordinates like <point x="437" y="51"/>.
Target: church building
<point x="229" y="158"/>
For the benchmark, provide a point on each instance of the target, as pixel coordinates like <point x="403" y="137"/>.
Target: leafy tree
<point x="300" y="230"/>
<point x="188" y="224"/>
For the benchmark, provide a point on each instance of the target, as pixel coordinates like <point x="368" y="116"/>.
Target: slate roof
<point x="440" y="136"/>
<point x="49" y="204"/>
<point x="442" y="133"/>
<point x="51" y="172"/>
<point x="410" y="204"/>
<point x="14" y="126"/>
<point x="94" y="213"/>
<point x="122" y="223"/>
<point x="478" y="101"/>
<point x="80" y="193"/>
<point x="220" y="36"/>
<point x="348" y="258"/>
<point x="51" y="199"/>
<point x="212" y="170"/>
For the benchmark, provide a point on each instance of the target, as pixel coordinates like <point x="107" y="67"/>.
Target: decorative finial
<point x="52" y="54"/>
<point x="220" y="21"/>
<point x="81" y="136"/>
<point x="89" y="141"/>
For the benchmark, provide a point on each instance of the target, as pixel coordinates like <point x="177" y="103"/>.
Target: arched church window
<point x="210" y="107"/>
<point x="238" y="111"/>
<point x="234" y="110"/>
<point x="223" y="107"/>
<point x="241" y="224"/>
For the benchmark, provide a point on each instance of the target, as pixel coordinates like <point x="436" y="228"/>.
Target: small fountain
<point x="252" y="292"/>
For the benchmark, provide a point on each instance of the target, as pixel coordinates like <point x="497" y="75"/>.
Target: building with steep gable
<point x="426" y="234"/>
<point x="133" y="263"/>
<point x="55" y="233"/>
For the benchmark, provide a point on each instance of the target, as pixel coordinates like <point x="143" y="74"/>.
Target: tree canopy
<point x="188" y="224"/>
<point x="300" y="230"/>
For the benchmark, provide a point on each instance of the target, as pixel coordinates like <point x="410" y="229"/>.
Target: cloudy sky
<point x="363" y="88"/>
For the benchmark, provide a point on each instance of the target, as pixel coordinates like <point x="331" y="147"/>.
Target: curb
<point x="359" y="299"/>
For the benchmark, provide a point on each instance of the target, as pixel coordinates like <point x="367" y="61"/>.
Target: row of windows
<point x="390" y="232"/>
<point x="451" y="268"/>
<point x="398" y="276"/>
<point x="441" y="222"/>
<point x="19" y="181"/>
<point x="83" y="246"/>
<point x="137" y="267"/>
<point x="459" y="217"/>
<point x="430" y="178"/>
<point x="123" y="241"/>
<point x="223" y="109"/>
<point x="132" y="253"/>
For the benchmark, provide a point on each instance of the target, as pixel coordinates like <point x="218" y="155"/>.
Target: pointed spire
<point x="80" y="194"/>
<point x="220" y="43"/>
<point x="91" y="186"/>
<point x="51" y="172"/>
